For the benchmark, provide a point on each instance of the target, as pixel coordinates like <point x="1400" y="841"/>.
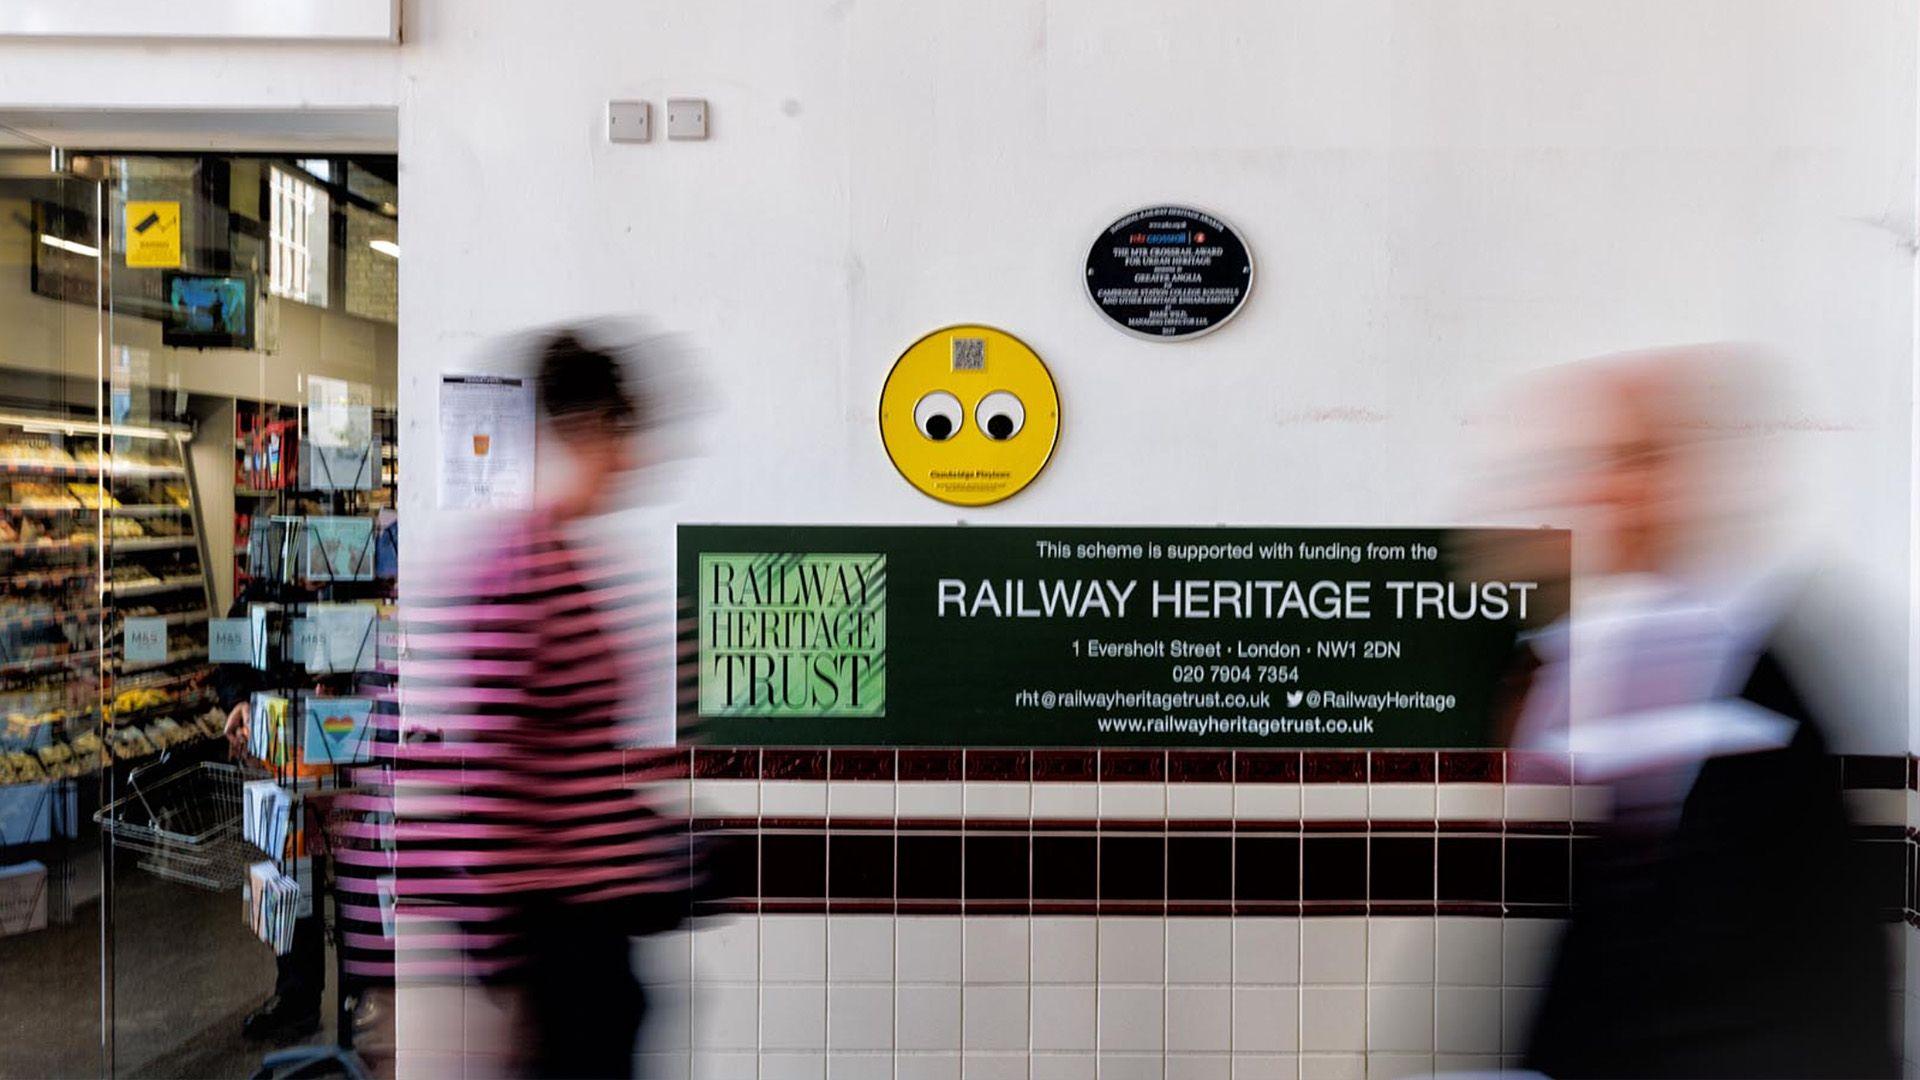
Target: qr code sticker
<point x="969" y="354"/>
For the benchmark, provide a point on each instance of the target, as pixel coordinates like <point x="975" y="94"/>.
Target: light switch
<point x="686" y="118"/>
<point x="629" y="121"/>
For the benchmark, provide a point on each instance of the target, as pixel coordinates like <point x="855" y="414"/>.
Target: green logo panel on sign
<point x="792" y="635"/>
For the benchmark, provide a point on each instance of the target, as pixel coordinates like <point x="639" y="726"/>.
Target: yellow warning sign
<point x="153" y="234"/>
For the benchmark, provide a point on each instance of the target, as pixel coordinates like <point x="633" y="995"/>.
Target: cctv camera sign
<point x="1034" y="636"/>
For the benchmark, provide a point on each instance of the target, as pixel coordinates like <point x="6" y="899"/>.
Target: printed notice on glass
<point x="486" y="442"/>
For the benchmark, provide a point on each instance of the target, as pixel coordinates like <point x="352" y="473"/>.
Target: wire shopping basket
<point x="184" y="827"/>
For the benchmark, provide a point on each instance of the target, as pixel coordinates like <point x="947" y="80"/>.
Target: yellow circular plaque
<point x="969" y="415"/>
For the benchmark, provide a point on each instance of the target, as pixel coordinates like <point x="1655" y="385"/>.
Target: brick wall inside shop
<point x="1078" y="913"/>
<point x="373" y="279"/>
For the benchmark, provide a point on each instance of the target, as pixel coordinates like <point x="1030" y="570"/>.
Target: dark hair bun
<point x="577" y="379"/>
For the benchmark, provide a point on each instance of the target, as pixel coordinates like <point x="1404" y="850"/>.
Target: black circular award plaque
<point x="1169" y="273"/>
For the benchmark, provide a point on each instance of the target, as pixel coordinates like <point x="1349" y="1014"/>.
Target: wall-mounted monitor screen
<point x="208" y="311"/>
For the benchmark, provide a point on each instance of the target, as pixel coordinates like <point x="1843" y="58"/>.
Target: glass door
<point x="54" y="774"/>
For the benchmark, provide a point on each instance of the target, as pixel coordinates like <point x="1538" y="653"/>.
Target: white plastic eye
<point x="1000" y="415"/>
<point x="938" y="416"/>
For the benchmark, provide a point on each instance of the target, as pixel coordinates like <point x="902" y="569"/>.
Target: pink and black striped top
<point x="514" y="787"/>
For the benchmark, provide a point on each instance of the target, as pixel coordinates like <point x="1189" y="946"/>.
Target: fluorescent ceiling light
<point x="68" y="245"/>
<point x="385" y="247"/>
<point x="83" y="427"/>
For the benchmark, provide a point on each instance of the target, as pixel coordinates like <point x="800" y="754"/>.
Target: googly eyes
<point x="1000" y="415"/>
<point x="938" y="415"/>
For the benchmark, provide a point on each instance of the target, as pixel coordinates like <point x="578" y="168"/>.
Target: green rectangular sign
<point x="1104" y="636"/>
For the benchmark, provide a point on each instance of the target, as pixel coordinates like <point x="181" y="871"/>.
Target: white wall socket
<point x="629" y="121"/>
<point x="686" y="118"/>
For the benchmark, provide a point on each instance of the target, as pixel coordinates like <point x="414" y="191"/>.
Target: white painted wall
<point x="1440" y="195"/>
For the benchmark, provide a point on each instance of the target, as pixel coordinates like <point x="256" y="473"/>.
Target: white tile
<point x="726" y="1017"/>
<point x="927" y="1017"/>
<point x="996" y="799"/>
<point x="673" y="798"/>
<point x="1517" y="1008"/>
<point x="1063" y="1017"/>
<point x="1333" y="950"/>
<point x="727" y="798"/>
<point x="1539" y="802"/>
<point x="1199" y="1067"/>
<point x="1266" y="802"/>
<point x="1527" y="950"/>
<point x="793" y="1018"/>
<point x="859" y="948"/>
<point x="860" y="1018"/>
<point x="927" y="799"/>
<point x="793" y="948"/>
<point x="1592" y="803"/>
<point x="1266" y="951"/>
<point x="861" y="798"/>
<point x="1400" y="950"/>
<point x="665" y="1065"/>
<point x="993" y="1018"/>
<point x="1400" y="802"/>
<point x="1470" y="802"/>
<point x="727" y="950"/>
<point x="1133" y="801"/>
<point x="1333" y="1067"/>
<point x="1266" y="1019"/>
<point x="668" y="1024"/>
<point x="1132" y="1067"/>
<point x="1199" y="951"/>
<point x="1199" y="802"/>
<point x="664" y="958"/>
<point x="1397" y="1066"/>
<point x="793" y="798"/>
<point x="1400" y="1019"/>
<point x="860" y="1066"/>
<point x="1133" y="950"/>
<point x="1333" y="1018"/>
<point x="1064" y="1067"/>
<point x="996" y="950"/>
<point x="1199" y="1018"/>
<point x="1073" y="801"/>
<point x="431" y="1019"/>
<point x="1265" y="1066"/>
<point x="1458" y="1063"/>
<point x="927" y="1067"/>
<point x="994" y="1066"/>
<point x="1467" y="951"/>
<point x="1333" y="802"/>
<point x="1466" y="1020"/>
<point x="1063" y="950"/>
<point x="1131" y="1018"/>
<point x="791" y="1066"/>
<point x="431" y="1065"/>
<point x="1875" y="807"/>
<point x="708" y="1065"/>
<point x="927" y="949"/>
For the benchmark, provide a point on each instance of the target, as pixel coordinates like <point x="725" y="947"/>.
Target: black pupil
<point x="939" y="426"/>
<point x="1000" y="426"/>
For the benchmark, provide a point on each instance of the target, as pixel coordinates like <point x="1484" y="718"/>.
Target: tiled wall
<point x="1072" y="913"/>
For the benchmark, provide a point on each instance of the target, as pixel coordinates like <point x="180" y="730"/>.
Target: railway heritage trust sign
<point x="1038" y="636"/>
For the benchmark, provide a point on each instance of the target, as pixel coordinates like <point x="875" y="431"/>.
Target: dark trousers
<point x="300" y="976"/>
<point x="582" y="999"/>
